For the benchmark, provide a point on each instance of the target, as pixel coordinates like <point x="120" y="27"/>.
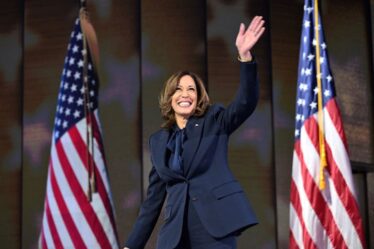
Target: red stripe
<point x="81" y="198"/>
<point x="52" y="228"/>
<point x="293" y="244"/>
<point x="81" y="149"/>
<point x="334" y="112"/>
<point x="341" y="186"/>
<point x="318" y="203"/>
<point x="44" y="243"/>
<point x="296" y="202"/>
<point x="65" y="212"/>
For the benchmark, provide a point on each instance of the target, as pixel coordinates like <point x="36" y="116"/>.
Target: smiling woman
<point x="183" y="95"/>
<point x="206" y="207"/>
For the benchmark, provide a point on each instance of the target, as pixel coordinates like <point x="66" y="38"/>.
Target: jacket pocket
<point x="227" y="189"/>
<point x="167" y="212"/>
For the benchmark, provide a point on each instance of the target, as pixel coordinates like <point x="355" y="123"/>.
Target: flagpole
<point x="87" y="108"/>
<point x="322" y="149"/>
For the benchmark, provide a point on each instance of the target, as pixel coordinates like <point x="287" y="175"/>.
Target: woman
<point x="206" y="207"/>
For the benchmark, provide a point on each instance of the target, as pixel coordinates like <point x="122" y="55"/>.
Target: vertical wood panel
<point x="286" y="20"/>
<point x="250" y="149"/>
<point x="173" y="38"/>
<point x="11" y="25"/>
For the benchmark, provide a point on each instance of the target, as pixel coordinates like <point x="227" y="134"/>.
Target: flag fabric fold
<point x="78" y="207"/>
<point x="326" y="217"/>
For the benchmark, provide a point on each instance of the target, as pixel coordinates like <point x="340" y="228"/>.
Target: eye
<point x="191" y="89"/>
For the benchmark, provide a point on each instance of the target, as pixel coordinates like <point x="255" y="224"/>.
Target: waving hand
<point x="247" y="38"/>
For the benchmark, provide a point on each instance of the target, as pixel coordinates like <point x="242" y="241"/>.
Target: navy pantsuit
<point x="207" y="181"/>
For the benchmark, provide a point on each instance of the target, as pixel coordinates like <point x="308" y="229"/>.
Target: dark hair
<point x="168" y="91"/>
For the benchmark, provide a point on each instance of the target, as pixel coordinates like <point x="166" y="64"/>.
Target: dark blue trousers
<point x="195" y="236"/>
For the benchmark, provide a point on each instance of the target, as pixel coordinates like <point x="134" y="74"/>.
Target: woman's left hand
<point x="246" y="39"/>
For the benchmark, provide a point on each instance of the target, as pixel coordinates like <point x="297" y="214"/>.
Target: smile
<point x="184" y="104"/>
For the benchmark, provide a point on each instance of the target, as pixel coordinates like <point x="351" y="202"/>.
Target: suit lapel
<point x="194" y="135"/>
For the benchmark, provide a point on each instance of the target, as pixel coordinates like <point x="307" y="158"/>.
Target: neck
<point x="181" y="121"/>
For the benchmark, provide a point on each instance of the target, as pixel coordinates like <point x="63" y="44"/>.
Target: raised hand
<point x="246" y="39"/>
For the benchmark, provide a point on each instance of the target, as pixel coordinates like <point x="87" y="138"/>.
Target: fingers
<point x="241" y="29"/>
<point x="257" y="26"/>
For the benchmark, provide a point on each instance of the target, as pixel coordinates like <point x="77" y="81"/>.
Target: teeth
<point x="184" y="104"/>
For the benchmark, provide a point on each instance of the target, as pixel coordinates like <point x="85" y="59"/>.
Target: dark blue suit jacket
<point x="218" y="198"/>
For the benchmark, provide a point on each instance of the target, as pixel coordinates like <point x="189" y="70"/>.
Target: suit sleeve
<point x="245" y="101"/>
<point x="149" y="212"/>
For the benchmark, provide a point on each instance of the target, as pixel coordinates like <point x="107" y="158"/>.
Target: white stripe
<point x="57" y="218"/>
<point x="332" y="200"/>
<point x="98" y="157"/>
<point x="339" y="152"/>
<point x="72" y="205"/>
<point x="97" y="204"/>
<point x="75" y="161"/>
<point x="296" y="227"/>
<point x="82" y="175"/>
<point x="311" y="220"/>
<point x="47" y="233"/>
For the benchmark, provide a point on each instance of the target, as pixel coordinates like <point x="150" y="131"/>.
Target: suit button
<point x="194" y="198"/>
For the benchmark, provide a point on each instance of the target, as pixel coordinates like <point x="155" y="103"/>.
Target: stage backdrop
<point x="143" y="42"/>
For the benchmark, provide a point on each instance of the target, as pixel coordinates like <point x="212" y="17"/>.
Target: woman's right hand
<point x="126" y="248"/>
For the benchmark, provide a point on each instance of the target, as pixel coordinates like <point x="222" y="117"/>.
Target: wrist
<point x="245" y="58"/>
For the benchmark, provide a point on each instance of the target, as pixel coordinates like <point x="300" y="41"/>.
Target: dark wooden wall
<point x="141" y="44"/>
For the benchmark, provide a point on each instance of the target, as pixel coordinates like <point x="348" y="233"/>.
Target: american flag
<point x="320" y="217"/>
<point x="78" y="208"/>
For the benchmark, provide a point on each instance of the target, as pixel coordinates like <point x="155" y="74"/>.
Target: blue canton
<point x="307" y="100"/>
<point x="71" y="101"/>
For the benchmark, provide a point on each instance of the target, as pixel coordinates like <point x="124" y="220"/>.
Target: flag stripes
<point x="78" y="213"/>
<point x="326" y="217"/>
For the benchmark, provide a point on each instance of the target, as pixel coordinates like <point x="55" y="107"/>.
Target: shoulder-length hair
<point x="168" y="91"/>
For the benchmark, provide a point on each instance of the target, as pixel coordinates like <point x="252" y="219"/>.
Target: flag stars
<point x="307" y="24"/>
<point x="308" y="71"/>
<point x="71" y="61"/>
<point x="322" y="59"/>
<point x="315" y="90"/>
<point x="303" y="87"/>
<point x="80" y="63"/>
<point x="79" y="36"/>
<point x="70" y="99"/>
<point x="327" y="93"/>
<point x="73" y="88"/>
<point x="77" y="75"/>
<point x="61" y="110"/>
<point x="297" y="132"/>
<point x="298" y="117"/>
<point x="329" y="78"/>
<point x="84" y="52"/>
<point x="310" y="57"/>
<point x="323" y="45"/>
<point x="92" y="93"/>
<point x="77" y="114"/>
<point x="68" y="73"/>
<point x="313" y="105"/>
<point x="67" y="112"/>
<point x="63" y="97"/>
<point x="65" y="124"/>
<point x="80" y="102"/>
<point x="75" y="49"/>
<point x="301" y="102"/>
<point x="93" y="82"/>
<point x="82" y="90"/>
<point x="57" y="134"/>
<point x="66" y="85"/>
<point x="89" y="66"/>
<point x="305" y="39"/>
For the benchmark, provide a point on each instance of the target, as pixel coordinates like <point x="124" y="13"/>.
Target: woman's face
<point x="184" y="99"/>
